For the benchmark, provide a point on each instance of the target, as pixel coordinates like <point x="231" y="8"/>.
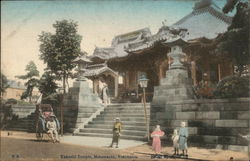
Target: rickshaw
<point x="44" y="112"/>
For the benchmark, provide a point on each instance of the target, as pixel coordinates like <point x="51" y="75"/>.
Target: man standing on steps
<point x="116" y="132"/>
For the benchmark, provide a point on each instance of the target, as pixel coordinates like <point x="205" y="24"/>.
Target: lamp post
<point x="61" y="92"/>
<point x="143" y="84"/>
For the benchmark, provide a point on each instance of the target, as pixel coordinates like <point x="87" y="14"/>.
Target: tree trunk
<point x="64" y="82"/>
<point x="30" y="94"/>
<point x="67" y="81"/>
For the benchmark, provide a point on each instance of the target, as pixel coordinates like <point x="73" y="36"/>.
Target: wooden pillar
<point x="127" y="80"/>
<point x="116" y="85"/>
<point x="160" y="72"/>
<point x="193" y="72"/>
<point x="93" y="82"/>
<point x="219" y="71"/>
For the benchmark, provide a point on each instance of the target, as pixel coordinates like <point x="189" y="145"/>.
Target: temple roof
<point x="131" y="36"/>
<point x="82" y="59"/>
<point x="120" y="42"/>
<point x="104" y="53"/>
<point x="97" y="69"/>
<point x="206" y="20"/>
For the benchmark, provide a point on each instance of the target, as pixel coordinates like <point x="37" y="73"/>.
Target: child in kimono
<point x="175" y="139"/>
<point x="183" y="134"/>
<point x="116" y="132"/>
<point x="156" y="134"/>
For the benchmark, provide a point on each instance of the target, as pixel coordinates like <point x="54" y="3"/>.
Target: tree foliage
<point x="47" y="84"/>
<point x="235" y="42"/>
<point x="32" y="80"/>
<point x="233" y="87"/>
<point x="3" y="83"/>
<point x="60" y="49"/>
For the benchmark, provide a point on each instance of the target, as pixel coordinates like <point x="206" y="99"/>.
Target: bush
<point x="21" y="102"/>
<point x="233" y="87"/>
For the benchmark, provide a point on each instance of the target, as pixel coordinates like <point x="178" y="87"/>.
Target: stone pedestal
<point x="176" y="87"/>
<point x="79" y="104"/>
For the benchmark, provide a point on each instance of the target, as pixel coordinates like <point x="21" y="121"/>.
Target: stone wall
<point x="78" y="105"/>
<point x="23" y="111"/>
<point x="214" y="123"/>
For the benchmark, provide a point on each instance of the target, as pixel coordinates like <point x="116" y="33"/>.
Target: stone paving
<point x="24" y="145"/>
<point x="98" y="142"/>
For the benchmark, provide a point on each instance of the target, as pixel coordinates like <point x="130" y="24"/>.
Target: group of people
<point x="179" y="139"/>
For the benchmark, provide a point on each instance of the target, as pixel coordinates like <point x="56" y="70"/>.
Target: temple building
<point x="140" y="52"/>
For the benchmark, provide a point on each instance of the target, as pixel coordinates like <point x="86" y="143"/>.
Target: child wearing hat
<point x="116" y="132"/>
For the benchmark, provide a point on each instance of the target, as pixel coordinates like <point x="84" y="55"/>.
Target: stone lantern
<point x="176" y="53"/>
<point x="82" y="62"/>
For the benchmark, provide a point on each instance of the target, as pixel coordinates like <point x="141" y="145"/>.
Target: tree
<point x="47" y="84"/>
<point x="60" y="49"/>
<point x="3" y="83"/>
<point x="31" y="77"/>
<point x="235" y="42"/>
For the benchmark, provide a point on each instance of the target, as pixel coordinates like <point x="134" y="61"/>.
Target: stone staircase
<point x="23" y="120"/>
<point x="132" y="118"/>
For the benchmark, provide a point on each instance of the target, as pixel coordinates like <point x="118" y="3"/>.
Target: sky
<point x="98" y="22"/>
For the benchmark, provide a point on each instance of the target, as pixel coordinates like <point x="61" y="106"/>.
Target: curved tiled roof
<point x="206" y="20"/>
<point x="97" y="69"/>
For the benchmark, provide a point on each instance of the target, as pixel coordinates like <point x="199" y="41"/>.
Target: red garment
<point x="157" y="141"/>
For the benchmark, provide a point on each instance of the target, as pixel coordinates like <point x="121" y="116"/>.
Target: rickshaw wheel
<point x="39" y="136"/>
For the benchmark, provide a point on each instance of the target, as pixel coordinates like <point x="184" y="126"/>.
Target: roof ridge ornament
<point x="203" y="4"/>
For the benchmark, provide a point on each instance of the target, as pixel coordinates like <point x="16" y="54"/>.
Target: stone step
<point x="99" y="122"/>
<point x="138" y="128"/>
<point x="22" y="115"/>
<point x="104" y="118"/>
<point x="23" y="107"/>
<point x="123" y="115"/>
<point x="22" y="124"/>
<point x="128" y="104"/>
<point x="109" y="131"/>
<point x="90" y="110"/>
<point x="71" y="119"/>
<point x="128" y="137"/>
<point x="125" y="110"/>
<point x="17" y="129"/>
<point x="129" y="107"/>
<point x="78" y="115"/>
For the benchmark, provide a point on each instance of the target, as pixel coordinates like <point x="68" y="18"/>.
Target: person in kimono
<point x="156" y="134"/>
<point x="175" y="139"/>
<point x="52" y="129"/>
<point x="105" y="94"/>
<point x="116" y="132"/>
<point x="183" y="134"/>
